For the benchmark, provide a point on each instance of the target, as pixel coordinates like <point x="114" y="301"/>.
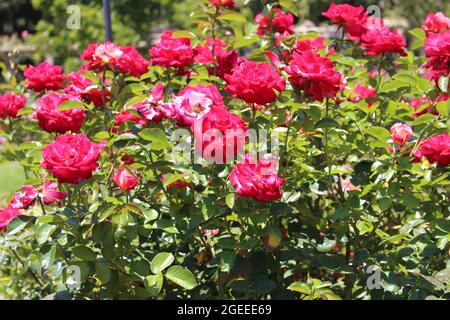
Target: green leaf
<point x="153" y="284"/>
<point x="156" y="136"/>
<point x="84" y="253"/>
<point x="161" y="261"/>
<point x="103" y="272"/>
<point x="43" y="232"/>
<point x="443" y="84"/>
<point x="244" y="42"/>
<point x="418" y="33"/>
<point x="385" y="203"/>
<point x="443" y="108"/>
<point x="182" y="277"/>
<point x="183" y="34"/>
<point x="424" y="118"/>
<point x="327" y="123"/>
<point x="230" y="200"/>
<point x="301" y="287"/>
<point x="71" y="104"/>
<point x="16" y="225"/>
<point x="290" y="6"/>
<point x="410" y="201"/>
<point x="172" y="177"/>
<point x="233" y="16"/>
<point x="364" y="226"/>
<point x="379" y="132"/>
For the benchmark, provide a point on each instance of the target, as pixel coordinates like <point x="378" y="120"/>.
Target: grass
<point x="12" y="178"/>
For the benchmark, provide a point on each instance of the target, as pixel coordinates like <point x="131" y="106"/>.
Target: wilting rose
<point x="436" y="149"/>
<point x="44" y="76"/>
<point x="401" y="133"/>
<point x="6" y="215"/>
<point x="49" y="193"/>
<point x="352" y="18"/>
<point x="71" y="158"/>
<point x="125" y="180"/>
<point x="276" y="21"/>
<point x="172" y="52"/>
<point x="379" y="39"/>
<point x="255" y="82"/>
<point x="223" y="3"/>
<point x="314" y="74"/>
<point x="257" y="179"/>
<point x="219" y="135"/>
<point x="85" y="89"/>
<point x="153" y="108"/>
<point x="51" y="119"/>
<point x="194" y="101"/>
<point x="436" y="22"/>
<point x="10" y="104"/>
<point x="25" y="198"/>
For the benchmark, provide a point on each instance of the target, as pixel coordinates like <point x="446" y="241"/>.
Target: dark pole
<point x="107" y="14"/>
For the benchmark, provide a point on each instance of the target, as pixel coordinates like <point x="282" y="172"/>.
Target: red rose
<point x="225" y="63"/>
<point x="352" y="18"/>
<point x="435" y="23"/>
<point x="6" y="215"/>
<point x="172" y="52"/>
<point x="99" y="55"/>
<point x="85" y="88"/>
<point x="309" y="44"/>
<point x="25" y="198"/>
<point x="276" y="21"/>
<point x="44" y="76"/>
<point x="50" y="193"/>
<point x="153" y="108"/>
<point x="125" y="180"/>
<point x="362" y="92"/>
<point x="257" y="180"/>
<point x="219" y="135"/>
<point x="401" y="133"/>
<point x="379" y="39"/>
<point x="194" y="101"/>
<point x="255" y="82"/>
<point x="223" y="3"/>
<point x="51" y="119"/>
<point x="437" y="48"/>
<point x="203" y="53"/>
<point x="71" y="158"/>
<point x="126" y="117"/>
<point x="131" y="62"/>
<point x="10" y="104"/>
<point x="435" y="149"/>
<point x="314" y="74"/>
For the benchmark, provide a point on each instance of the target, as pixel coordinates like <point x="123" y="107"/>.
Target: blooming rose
<point x="126" y="117"/>
<point x="194" y="101"/>
<point x="49" y="193"/>
<point x="255" y="82"/>
<point x="435" y="149"/>
<point x="10" y="104"/>
<point x="223" y="3"/>
<point x="153" y="108"/>
<point x="314" y="74"/>
<point x="257" y="180"/>
<point x="436" y="22"/>
<point x="85" y="88"/>
<point x="172" y="52"/>
<point x="203" y="53"/>
<point x="219" y="135"/>
<point x="44" y="76"/>
<point x="6" y="215"/>
<point x="352" y="18"/>
<point x="99" y="55"/>
<point x="309" y="44"/>
<point x="25" y="198"/>
<point x="125" y="180"/>
<point x="362" y="92"/>
<point x="437" y="49"/>
<point x="277" y="19"/>
<point x="131" y="62"/>
<point x="51" y="119"/>
<point x="71" y="158"/>
<point x="401" y="133"/>
<point x="379" y="39"/>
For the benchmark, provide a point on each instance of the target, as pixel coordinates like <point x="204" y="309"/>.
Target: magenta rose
<point x="44" y="76"/>
<point x="85" y="88"/>
<point x="352" y="18"/>
<point x="71" y="158"/>
<point x="10" y="104"/>
<point x="436" y="149"/>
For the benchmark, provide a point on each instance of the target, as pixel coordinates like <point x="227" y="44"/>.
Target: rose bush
<point x="241" y="161"/>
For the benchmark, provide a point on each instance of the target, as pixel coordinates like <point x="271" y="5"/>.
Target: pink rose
<point x="25" y="198"/>
<point x="223" y="3"/>
<point x="125" y="180"/>
<point x="436" y="149"/>
<point x="6" y="215"/>
<point x="257" y="179"/>
<point x="401" y="133"/>
<point x="10" y="104"/>
<point x="51" y="119"/>
<point x="379" y="39"/>
<point x="71" y="158"/>
<point x="352" y="18"/>
<point x="44" y="76"/>
<point x="276" y="21"/>
<point x="436" y="22"/>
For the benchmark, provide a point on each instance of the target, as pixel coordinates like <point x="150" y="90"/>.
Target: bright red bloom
<point x="437" y="48"/>
<point x="125" y="180"/>
<point x="180" y="184"/>
<point x="127" y="160"/>
<point x="225" y="63"/>
<point x="131" y="62"/>
<point x="44" y="76"/>
<point x="255" y="82"/>
<point x="219" y="135"/>
<point x="362" y="92"/>
<point x="203" y="53"/>
<point x="6" y="215"/>
<point x="436" y="149"/>
<point x="50" y="193"/>
<point x="401" y="133"/>
<point x="379" y="39"/>
<point x="276" y="21"/>
<point x="126" y="117"/>
<point x="10" y="104"/>
<point x="223" y="3"/>
<point x="51" y="119"/>
<point x="352" y="18"/>
<point x="172" y="52"/>
<point x="436" y="22"/>
<point x="314" y="74"/>
<point x="85" y="88"/>
<point x="25" y="198"/>
<point x="257" y="180"/>
<point x="99" y="55"/>
<point x="309" y="44"/>
<point x="194" y="101"/>
<point x="71" y="158"/>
